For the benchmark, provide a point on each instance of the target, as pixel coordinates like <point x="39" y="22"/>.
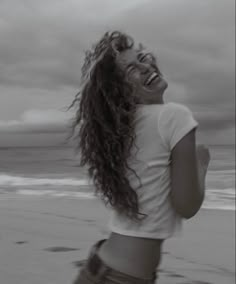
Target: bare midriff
<point x="135" y="256"/>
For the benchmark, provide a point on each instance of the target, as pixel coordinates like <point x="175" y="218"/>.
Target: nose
<point x="144" y="68"/>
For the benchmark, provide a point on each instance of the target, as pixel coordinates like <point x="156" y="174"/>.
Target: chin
<point x="160" y="87"/>
<point x="163" y="85"/>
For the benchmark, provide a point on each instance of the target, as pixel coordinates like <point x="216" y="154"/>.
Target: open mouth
<point x="151" y="78"/>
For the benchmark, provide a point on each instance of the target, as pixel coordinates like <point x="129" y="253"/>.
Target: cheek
<point x="135" y="78"/>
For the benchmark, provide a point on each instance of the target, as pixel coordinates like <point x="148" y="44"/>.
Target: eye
<point x="130" y="69"/>
<point x="146" y="57"/>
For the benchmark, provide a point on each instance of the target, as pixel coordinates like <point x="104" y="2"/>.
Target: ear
<point x="114" y="48"/>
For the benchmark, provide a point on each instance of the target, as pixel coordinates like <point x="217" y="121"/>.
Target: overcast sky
<point x="42" y="46"/>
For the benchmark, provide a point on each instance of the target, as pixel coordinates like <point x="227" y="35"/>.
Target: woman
<point x="142" y="156"/>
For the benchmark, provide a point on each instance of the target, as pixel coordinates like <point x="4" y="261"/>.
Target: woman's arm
<point x="188" y="171"/>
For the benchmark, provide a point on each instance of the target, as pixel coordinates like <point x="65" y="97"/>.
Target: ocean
<point x="54" y="171"/>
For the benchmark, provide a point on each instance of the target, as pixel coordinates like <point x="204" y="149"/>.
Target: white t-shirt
<point x="159" y="127"/>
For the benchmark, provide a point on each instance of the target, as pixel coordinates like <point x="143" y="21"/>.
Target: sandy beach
<point x="43" y="240"/>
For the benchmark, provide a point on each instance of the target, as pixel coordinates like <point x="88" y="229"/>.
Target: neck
<point x="154" y="101"/>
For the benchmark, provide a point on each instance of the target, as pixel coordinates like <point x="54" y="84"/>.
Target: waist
<point x="138" y="257"/>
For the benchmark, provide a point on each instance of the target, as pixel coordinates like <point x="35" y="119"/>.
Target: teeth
<point x="151" y="77"/>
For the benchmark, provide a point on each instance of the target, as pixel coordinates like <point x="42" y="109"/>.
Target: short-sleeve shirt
<point x="159" y="127"/>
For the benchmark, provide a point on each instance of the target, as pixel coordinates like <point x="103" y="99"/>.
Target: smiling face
<point x="142" y="71"/>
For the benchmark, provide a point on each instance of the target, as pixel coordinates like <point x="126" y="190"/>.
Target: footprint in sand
<point x="90" y="221"/>
<point x="196" y="282"/>
<point x="21" y="242"/>
<point x="60" y="249"/>
<point x="175" y="275"/>
<point x="172" y="274"/>
<point x="201" y="282"/>
<point x="79" y="263"/>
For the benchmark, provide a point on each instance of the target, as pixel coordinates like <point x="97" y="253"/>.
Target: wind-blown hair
<point x="105" y="116"/>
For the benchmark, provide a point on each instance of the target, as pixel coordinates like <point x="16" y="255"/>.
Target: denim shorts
<point x="95" y="271"/>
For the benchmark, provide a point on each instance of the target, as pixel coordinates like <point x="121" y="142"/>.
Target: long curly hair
<point x="106" y="107"/>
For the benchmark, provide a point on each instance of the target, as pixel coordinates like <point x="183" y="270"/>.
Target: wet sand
<point x="44" y="240"/>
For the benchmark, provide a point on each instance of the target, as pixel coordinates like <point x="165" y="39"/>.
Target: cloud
<point x="38" y="121"/>
<point x="43" y="42"/>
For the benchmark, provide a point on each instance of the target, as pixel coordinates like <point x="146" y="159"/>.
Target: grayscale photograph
<point x="117" y="142"/>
